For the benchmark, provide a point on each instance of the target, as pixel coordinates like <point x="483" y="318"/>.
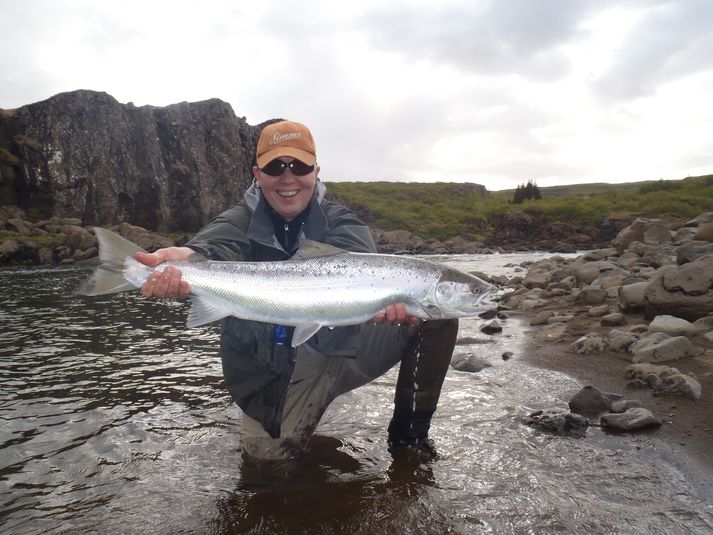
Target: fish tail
<point x="109" y="277"/>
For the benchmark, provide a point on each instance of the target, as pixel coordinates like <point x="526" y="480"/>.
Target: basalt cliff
<point x="84" y="155"/>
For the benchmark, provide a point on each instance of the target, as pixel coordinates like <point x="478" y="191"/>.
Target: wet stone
<point x="558" y="422"/>
<point x="590" y="401"/>
<point x="492" y="327"/>
<point x="469" y="363"/>
<point x="631" y="420"/>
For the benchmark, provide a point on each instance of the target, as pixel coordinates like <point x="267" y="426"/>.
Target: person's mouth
<point x="288" y="193"/>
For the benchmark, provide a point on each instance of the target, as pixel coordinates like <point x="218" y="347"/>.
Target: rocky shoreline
<point x="60" y="241"/>
<point x="634" y="324"/>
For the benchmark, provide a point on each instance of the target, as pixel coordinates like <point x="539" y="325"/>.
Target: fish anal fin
<point x="314" y="249"/>
<point x="304" y="332"/>
<point x="203" y="311"/>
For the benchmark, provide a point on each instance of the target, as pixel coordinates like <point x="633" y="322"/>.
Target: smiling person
<point x="284" y="391"/>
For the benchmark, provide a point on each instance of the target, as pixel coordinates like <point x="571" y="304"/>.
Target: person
<point x="284" y="391"/>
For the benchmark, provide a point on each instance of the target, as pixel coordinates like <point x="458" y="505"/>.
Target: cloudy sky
<point x="495" y="92"/>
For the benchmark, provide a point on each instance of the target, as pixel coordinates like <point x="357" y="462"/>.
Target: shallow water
<point x="115" y="419"/>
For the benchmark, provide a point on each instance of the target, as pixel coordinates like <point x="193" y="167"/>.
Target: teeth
<point x="287" y="193"/>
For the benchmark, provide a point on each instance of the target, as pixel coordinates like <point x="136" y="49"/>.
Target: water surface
<point x="115" y="419"/>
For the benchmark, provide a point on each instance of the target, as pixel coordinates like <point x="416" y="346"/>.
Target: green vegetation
<point x="46" y="240"/>
<point x="27" y="142"/>
<point x="444" y="210"/>
<point x="9" y="158"/>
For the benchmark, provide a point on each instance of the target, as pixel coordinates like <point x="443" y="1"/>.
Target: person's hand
<point x="396" y="314"/>
<point x="166" y="283"/>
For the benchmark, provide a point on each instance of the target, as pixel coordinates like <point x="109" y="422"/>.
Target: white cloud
<point x="480" y="90"/>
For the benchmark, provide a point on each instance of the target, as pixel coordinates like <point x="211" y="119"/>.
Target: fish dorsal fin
<point x="314" y="249"/>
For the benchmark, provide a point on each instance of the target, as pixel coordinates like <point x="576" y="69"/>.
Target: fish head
<point x="459" y="294"/>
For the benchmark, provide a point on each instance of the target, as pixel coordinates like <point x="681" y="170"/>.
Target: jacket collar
<point x="262" y="230"/>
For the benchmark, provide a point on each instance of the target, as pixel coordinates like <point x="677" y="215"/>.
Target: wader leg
<point x="421" y="375"/>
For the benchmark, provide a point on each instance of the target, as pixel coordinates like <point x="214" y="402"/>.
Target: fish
<point x="320" y="286"/>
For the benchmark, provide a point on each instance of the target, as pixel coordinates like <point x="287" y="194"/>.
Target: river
<point x="115" y="419"/>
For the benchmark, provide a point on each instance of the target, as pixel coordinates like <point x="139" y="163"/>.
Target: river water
<point x="115" y="419"/>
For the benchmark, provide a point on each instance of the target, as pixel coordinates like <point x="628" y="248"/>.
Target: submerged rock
<point x="558" y="422"/>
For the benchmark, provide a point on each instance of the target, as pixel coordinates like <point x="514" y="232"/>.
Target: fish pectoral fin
<point x="203" y="311"/>
<point x="423" y="311"/>
<point x="304" y="332"/>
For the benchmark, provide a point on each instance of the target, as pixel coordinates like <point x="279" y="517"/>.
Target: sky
<point x="495" y="92"/>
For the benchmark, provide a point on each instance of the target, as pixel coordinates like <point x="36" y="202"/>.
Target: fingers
<point x="166" y="283"/>
<point x="396" y="314"/>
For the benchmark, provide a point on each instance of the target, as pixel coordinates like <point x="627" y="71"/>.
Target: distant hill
<point x="444" y="210"/>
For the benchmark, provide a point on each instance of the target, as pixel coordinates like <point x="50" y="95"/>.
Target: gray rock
<point x="541" y="317"/>
<point x="632" y="297"/>
<point x="593" y="296"/>
<point x="665" y="380"/>
<point x="692" y="251"/>
<point x="671" y="326"/>
<point x="703" y="324"/>
<point x="685" y="292"/>
<point x="631" y="420"/>
<point x="589" y="343"/>
<point x="620" y="341"/>
<point x="202" y="149"/>
<point x="590" y="401"/>
<point x="492" y="327"/>
<point x="623" y="405"/>
<point x="558" y="422"/>
<point x="613" y="320"/>
<point x="659" y="347"/>
<point x="587" y="272"/>
<point x="469" y="363"/>
<point x="598" y="311"/>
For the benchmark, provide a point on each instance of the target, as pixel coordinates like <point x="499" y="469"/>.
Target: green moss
<point x="27" y="142"/>
<point x="9" y="158"/>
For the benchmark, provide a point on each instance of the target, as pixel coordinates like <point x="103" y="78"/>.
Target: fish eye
<point x="475" y="289"/>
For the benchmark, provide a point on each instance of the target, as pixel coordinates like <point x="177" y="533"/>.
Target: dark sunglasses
<point x="277" y="167"/>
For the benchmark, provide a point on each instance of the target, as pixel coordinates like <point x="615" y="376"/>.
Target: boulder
<point x="672" y="326"/>
<point x="558" y="422"/>
<point x="469" y="363"/>
<point x="613" y="320"/>
<point x="704" y="232"/>
<point x="632" y="297"/>
<point x="630" y="420"/>
<point x="590" y="401"/>
<point x="587" y="272"/>
<point x="619" y="340"/>
<point x="685" y="292"/>
<point x="660" y="347"/>
<point x="589" y="343"/>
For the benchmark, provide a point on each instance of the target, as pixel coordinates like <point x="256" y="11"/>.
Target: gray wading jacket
<point x="257" y="370"/>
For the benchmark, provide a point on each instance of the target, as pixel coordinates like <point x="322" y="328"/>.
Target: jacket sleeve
<point x="346" y="230"/>
<point x="224" y="238"/>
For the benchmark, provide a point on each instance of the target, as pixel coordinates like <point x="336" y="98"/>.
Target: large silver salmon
<point x="320" y="286"/>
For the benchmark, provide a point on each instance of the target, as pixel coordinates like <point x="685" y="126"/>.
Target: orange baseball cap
<point x="286" y="138"/>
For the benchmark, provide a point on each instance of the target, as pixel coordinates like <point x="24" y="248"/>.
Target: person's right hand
<point x="166" y="283"/>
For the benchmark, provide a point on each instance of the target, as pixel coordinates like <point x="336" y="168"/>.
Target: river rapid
<point x="115" y="419"/>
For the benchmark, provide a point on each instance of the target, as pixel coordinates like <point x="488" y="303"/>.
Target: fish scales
<point x="321" y="286"/>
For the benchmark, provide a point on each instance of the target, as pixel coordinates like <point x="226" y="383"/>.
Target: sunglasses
<point x="277" y="167"/>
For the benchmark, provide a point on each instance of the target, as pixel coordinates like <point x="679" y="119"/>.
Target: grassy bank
<point x="443" y="210"/>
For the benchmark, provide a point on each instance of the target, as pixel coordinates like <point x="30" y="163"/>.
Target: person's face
<point x="288" y="194"/>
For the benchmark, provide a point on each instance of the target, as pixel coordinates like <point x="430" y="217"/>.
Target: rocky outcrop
<point x="86" y="156"/>
<point x="642" y="300"/>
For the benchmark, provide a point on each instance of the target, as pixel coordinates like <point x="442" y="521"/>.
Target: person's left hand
<point x="396" y="314"/>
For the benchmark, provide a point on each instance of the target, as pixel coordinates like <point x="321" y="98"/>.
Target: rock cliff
<point x="84" y="155"/>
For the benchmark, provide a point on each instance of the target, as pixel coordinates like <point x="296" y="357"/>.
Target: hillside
<point x="579" y="214"/>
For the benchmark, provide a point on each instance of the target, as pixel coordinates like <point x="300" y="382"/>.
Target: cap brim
<point x="277" y="152"/>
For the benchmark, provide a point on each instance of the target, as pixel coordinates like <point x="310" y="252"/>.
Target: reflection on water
<point x="115" y="419"/>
